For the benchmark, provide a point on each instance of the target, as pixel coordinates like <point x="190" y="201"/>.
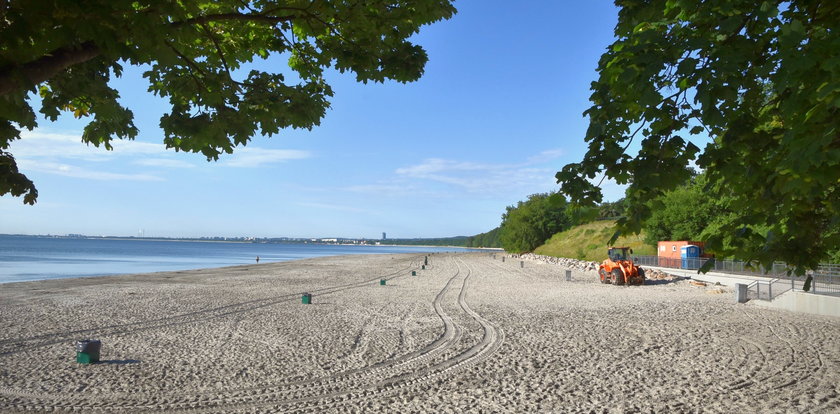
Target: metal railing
<point x="767" y="290"/>
<point x="825" y="279"/>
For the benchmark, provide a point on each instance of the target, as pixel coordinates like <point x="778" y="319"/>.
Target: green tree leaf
<point x="760" y="79"/>
<point x="194" y="48"/>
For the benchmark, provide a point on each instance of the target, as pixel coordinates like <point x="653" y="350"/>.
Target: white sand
<point x="469" y="334"/>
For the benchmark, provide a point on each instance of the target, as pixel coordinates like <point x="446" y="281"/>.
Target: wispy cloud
<point x="65" y="154"/>
<point x="546" y="156"/>
<point x="337" y="207"/>
<point x="164" y="163"/>
<point x="431" y="166"/>
<point x="38" y="144"/>
<point x="477" y="177"/>
<point x="257" y="157"/>
<point x="81" y="172"/>
<point x="382" y="188"/>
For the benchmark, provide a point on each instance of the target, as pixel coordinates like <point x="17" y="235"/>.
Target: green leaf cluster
<point x="762" y="79"/>
<point x="683" y="213"/>
<point x="198" y="54"/>
<point x="531" y="222"/>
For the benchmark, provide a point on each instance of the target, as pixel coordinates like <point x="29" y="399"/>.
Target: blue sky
<point x="496" y="114"/>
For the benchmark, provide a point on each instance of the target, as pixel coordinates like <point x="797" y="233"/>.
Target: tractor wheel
<point x="603" y="274"/>
<point x="618" y="277"/>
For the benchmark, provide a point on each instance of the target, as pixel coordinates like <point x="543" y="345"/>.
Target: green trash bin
<point x="87" y="351"/>
<point x="306" y="299"/>
<point x="382" y="282"/>
<point x="414" y="273"/>
<point x="423" y="267"/>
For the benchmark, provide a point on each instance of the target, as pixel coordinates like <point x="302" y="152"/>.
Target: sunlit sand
<point x="468" y="334"/>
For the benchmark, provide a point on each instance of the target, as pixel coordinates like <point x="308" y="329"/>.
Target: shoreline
<point x="294" y="241"/>
<point x="199" y="270"/>
<point x="32" y="258"/>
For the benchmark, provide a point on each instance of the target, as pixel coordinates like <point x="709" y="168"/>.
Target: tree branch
<point x="233" y="16"/>
<point x="192" y="66"/>
<point x="14" y="78"/>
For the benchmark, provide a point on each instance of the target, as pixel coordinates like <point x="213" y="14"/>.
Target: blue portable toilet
<point x="690" y="256"/>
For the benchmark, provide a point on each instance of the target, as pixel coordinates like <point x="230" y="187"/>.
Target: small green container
<point x="86" y="358"/>
<point x="306" y="299"/>
<point x="87" y="351"/>
<point x="414" y="273"/>
<point x="423" y="267"/>
<point x="382" y="282"/>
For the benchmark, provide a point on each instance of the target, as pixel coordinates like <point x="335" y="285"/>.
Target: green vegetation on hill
<point x="589" y="242"/>
<point x="530" y="223"/>
<point x="489" y="239"/>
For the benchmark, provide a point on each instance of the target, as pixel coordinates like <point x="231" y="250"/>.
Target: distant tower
<point x="383" y="235"/>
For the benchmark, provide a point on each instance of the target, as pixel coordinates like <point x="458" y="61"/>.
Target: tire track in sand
<point x="12" y="346"/>
<point x="386" y="377"/>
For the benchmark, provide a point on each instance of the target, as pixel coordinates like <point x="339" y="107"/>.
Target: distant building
<point x="383" y="235"/>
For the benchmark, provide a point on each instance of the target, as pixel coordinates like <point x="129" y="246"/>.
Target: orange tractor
<point x="619" y="270"/>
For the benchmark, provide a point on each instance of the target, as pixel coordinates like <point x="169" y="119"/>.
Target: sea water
<point x="24" y="258"/>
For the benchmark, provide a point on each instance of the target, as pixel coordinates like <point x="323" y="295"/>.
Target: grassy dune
<point x="589" y="242"/>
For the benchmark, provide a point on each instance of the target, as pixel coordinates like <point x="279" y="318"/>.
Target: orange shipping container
<point x="669" y="252"/>
<point x="671" y="249"/>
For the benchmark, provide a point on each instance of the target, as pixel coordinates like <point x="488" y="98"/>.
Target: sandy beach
<point x="468" y="334"/>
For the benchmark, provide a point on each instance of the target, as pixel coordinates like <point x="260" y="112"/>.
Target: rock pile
<point x="562" y="261"/>
<point x="653" y="274"/>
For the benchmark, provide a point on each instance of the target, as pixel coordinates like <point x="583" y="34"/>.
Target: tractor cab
<point x="618" y="253"/>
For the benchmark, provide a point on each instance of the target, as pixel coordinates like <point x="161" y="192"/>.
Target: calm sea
<point x="25" y="258"/>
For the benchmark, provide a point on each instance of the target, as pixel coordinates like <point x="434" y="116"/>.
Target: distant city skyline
<point x="496" y="114"/>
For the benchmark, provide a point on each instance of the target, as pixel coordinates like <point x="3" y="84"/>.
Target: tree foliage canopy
<point x="762" y="79"/>
<point x="198" y="54"/>
<point x="683" y="213"/>
<point x="530" y="223"/>
<point x="488" y="239"/>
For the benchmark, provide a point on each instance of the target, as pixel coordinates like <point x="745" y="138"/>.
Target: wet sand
<point x="468" y="334"/>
